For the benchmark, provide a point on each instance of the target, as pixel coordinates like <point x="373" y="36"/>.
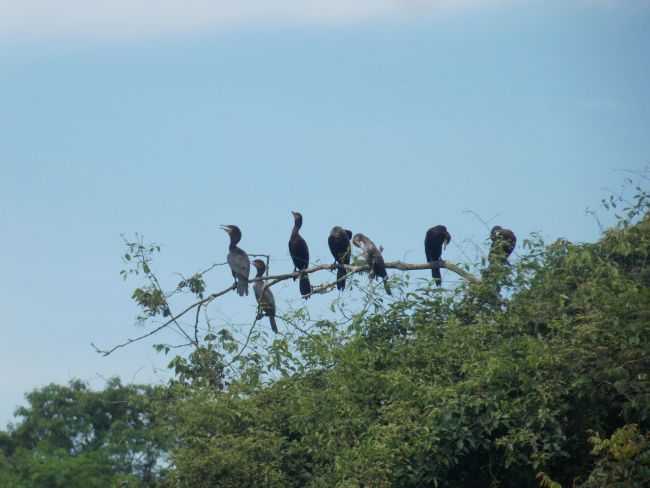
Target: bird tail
<point x="340" y="277"/>
<point x="274" y="326"/>
<point x="437" y="277"/>
<point x="387" y="287"/>
<point x="242" y="286"/>
<point x="305" y="286"/>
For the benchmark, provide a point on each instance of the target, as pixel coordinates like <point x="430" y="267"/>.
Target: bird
<point x="238" y="260"/>
<point x="435" y="240"/>
<point x="503" y="243"/>
<point x="339" y="244"/>
<point x="264" y="296"/>
<point x="373" y="257"/>
<point x="300" y="255"/>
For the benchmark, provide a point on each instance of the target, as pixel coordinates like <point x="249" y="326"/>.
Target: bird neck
<point x="296" y="227"/>
<point x="234" y="240"/>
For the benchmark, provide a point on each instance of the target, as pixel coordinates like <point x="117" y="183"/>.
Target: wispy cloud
<point x="120" y="18"/>
<point x="137" y="18"/>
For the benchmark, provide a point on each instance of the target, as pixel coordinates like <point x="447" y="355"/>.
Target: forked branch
<point x="275" y="279"/>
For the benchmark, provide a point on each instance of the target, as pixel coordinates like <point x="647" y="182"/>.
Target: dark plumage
<point x="435" y="241"/>
<point x="265" y="300"/>
<point x="238" y="260"/>
<point x="300" y="254"/>
<point x="503" y="243"/>
<point x="373" y="257"/>
<point x="339" y="244"/>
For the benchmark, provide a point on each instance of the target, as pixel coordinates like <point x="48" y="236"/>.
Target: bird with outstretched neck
<point x="435" y="240"/>
<point x="339" y="244"/>
<point x="372" y="255"/>
<point x="237" y="260"/>
<point x="300" y="255"/>
<point x="265" y="300"/>
<point x="503" y="243"/>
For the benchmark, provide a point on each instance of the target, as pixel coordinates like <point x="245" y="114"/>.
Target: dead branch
<point x="275" y="279"/>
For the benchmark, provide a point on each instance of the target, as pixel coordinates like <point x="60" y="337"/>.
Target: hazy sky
<point x="386" y="117"/>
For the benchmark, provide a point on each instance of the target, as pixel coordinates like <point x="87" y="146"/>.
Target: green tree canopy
<point x="535" y="375"/>
<point x="501" y="383"/>
<point x="72" y="436"/>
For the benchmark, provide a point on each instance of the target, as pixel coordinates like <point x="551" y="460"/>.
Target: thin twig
<point x="196" y="324"/>
<point x="106" y="352"/>
<point x="274" y="279"/>
<point x="248" y="338"/>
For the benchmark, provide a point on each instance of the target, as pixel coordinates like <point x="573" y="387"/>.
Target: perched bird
<point x="503" y="243"/>
<point x="300" y="254"/>
<point x="435" y="241"/>
<point x="373" y="257"/>
<point x="238" y="260"/>
<point x="339" y="244"/>
<point x="265" y="300"/>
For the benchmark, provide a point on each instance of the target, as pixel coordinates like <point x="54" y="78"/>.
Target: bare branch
<point x="274" y="279"/>
<point x="196" y="324"/>
<point x="106" y="352"/>
<point x="243" y="348"/>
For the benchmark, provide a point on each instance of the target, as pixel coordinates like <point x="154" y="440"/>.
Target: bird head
<point x="297" y="218"/>
<point x="260" y="266"/>
<point x="447" y="239"/>
<point x="233" y="231"/>
<point x="495" y="231"/>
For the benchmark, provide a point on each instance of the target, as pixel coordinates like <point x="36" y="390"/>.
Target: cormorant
<point x="265" y="300"/>
<point x="503" y="243"/>
<point x="339" y="244"/>
<point x="238" y="260"/>
<point x="373" y="257"/>
<point x="300" y="254"/>
<point x="435" y="241"/>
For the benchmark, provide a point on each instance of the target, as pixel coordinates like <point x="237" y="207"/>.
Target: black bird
<point x="435" y="241"/>
<point x="373" y="257"/>
<point x="265" y="300"/>
<point x="238" y="260"/>
<point x="339" y="243"/>
<point x="503" y="243"/>
<point x="300" y="254"/>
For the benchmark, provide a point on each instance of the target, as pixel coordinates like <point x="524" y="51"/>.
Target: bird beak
<point x="224" y="227"/>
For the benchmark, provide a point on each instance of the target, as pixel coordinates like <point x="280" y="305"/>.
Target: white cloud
<point x="39" y="19"/>
<point x="127" y="18"/>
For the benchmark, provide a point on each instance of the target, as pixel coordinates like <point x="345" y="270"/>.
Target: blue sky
<point x="384" y="119"/>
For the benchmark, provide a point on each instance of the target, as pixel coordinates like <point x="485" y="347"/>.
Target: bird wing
<point x="348" y="254"/>
<point x="331" y="242"/>
<point x="299" y="252"/>
<point x="428" y="245"/>
<point x="379" y="266"/>
<point x="239" y="263"/>
<point x="257" y="288"/>
<point x="268" y="301"/>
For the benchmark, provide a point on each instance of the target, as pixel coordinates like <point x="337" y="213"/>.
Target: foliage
<point x="71" y="436"/>
<point x="496" y="384"/>
<point x="624" y="459"/>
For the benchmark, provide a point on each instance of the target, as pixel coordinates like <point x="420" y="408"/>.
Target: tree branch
<point x="275" y="279"/>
